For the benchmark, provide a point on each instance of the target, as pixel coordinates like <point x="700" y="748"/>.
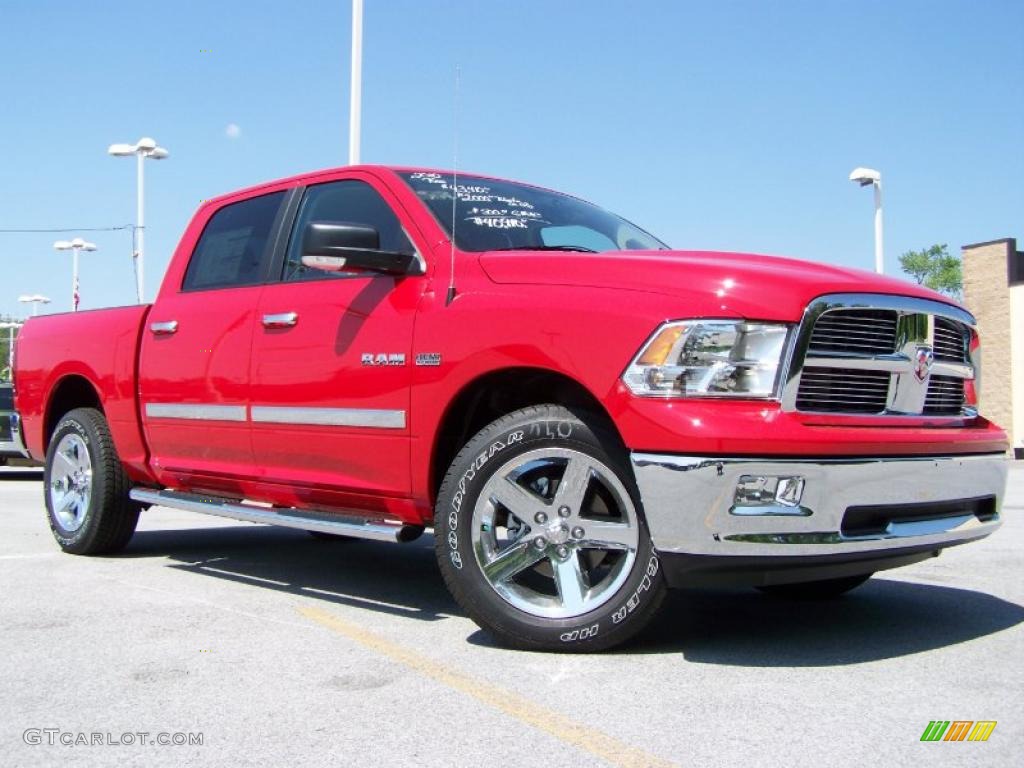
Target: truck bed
<point x="62" y="353"/>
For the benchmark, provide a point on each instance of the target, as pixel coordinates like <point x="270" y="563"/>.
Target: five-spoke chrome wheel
<point x="71" y="482"/>
<point x="555" y="532"/>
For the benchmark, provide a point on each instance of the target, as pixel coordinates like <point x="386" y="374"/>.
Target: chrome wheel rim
<point x="71" y="482"/>
<point x="555" y="533"/>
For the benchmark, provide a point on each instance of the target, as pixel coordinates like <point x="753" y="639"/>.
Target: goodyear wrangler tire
<point x="540" y="534"/>
<point x="86" y="488"/>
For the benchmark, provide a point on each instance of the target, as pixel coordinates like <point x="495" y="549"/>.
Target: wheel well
<point x="492" y="396"/>
<point x="71" y="392"/>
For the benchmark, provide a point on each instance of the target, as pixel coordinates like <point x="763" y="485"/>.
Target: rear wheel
<point x="86" y="488"/>
<point x="540" y="534"/>
<point x="816" y="590"/>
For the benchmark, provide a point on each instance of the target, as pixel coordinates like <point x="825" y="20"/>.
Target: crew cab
<point x="584" y="417"/>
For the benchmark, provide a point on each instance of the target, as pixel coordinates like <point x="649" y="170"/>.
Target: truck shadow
<point x="883" y="619"/>
<point x="401" y="580"/>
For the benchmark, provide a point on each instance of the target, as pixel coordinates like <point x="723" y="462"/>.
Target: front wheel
<point x="540" y="534"/>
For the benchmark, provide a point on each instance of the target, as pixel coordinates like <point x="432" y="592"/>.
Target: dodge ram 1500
<point x="583" y="416"/>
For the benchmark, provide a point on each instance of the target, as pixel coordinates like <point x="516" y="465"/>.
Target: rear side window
<point x="234" y="245"/>
<point x="347" y="202"/>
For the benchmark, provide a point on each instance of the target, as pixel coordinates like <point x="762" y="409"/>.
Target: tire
<point x="86" y="488"/>
<point x="549" y="584"/>
<point x="816" y="590"/>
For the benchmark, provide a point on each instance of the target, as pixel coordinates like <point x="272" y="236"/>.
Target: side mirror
<point x="332" y="246"/>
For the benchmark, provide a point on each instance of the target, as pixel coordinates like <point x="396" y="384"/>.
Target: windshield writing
<point x="501" y="215"/>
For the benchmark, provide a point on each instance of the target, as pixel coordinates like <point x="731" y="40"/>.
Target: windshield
<point x="495" y="215"/>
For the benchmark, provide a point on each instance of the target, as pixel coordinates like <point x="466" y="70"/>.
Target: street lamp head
<point x="865" y="176"/>
<point x="35" y="298"/>
<point x="145" y="146"/>
<point x="78" y="243"/>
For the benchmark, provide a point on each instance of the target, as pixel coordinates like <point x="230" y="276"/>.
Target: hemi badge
<point x="428" y="358"/>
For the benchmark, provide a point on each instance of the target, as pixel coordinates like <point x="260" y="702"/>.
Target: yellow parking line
<point x="561" y="727"/>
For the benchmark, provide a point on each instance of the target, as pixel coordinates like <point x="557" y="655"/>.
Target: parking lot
<point x="280" y="649"/>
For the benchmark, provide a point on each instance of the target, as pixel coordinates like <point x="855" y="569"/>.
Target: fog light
<point x="769" y="495"/>
<point x="789" y="491"/>
<point x="754" y="489"/>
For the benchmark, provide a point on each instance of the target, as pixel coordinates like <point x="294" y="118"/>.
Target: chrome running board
<point x="342" y="525"/>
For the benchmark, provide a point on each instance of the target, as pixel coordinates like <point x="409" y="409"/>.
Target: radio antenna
<point x="455" y="188"/>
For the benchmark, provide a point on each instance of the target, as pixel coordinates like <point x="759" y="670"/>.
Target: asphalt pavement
<point x="273" y="648"/>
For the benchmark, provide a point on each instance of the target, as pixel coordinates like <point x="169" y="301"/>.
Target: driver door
<point x="331" y="365"/>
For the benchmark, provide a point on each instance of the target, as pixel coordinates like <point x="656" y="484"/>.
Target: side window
<point x="234" y="245"/>
<point x="348" y="202"/>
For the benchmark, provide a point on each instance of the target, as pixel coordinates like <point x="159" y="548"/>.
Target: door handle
<point x="281" y="320"/>
<point x="165" y="328"/>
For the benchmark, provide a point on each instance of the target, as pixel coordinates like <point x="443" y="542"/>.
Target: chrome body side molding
<point x="334" y="417"/>
<point x="373" y="418"/>
<point x="195" y="412"/>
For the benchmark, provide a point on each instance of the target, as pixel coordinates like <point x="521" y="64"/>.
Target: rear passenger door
<point x="331" y="362"/>
<point x="196" y="351"/>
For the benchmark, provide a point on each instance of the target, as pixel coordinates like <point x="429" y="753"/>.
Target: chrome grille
<point x="945" y="396"/>
<point x="881" y="355"/>
<point x="951" y="339"/>
<point x="843" y="390"/>
<point x="855" y="331"/>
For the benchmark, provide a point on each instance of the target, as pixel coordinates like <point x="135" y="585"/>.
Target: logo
<point x="958" y="730"/>
<point x="391" y="358"/>
<point x="428" y="358"/>
<point x="923" y="362"/>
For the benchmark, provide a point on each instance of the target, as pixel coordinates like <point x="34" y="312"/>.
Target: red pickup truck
<point x="585" y="417"/>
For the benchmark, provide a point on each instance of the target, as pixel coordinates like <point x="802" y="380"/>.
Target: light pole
<point x="76" y="245"/>
<point x="35" y="300"/>
<point x="865" y="176"/>
<point x="142" y="149"/>
<point x="356" y="89"/>
<point x="10" y="326"/>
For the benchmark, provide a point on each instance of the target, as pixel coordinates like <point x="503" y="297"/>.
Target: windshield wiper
<point x="576" y="248"/>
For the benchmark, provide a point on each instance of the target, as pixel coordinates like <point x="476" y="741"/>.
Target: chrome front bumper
<point x="691" y="509"/>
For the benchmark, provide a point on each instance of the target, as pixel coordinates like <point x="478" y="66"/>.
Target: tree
<point x="5" y="373"/>
<point x="936" y="268"/>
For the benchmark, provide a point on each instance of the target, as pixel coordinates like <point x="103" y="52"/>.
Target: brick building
<point x="994" y="293"/>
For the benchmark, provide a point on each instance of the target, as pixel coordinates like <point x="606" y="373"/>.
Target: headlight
<point x="709" y="358"/>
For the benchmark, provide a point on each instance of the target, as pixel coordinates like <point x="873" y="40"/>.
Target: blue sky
<point x="726" y="125"/>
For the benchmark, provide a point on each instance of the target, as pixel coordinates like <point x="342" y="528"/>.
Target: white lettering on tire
<point x="580" y="634"/>
<point x="634" y="599"/>
<point x="460" y="494"/>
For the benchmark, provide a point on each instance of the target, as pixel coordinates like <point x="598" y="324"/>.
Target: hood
<point x="745" y="285"/>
